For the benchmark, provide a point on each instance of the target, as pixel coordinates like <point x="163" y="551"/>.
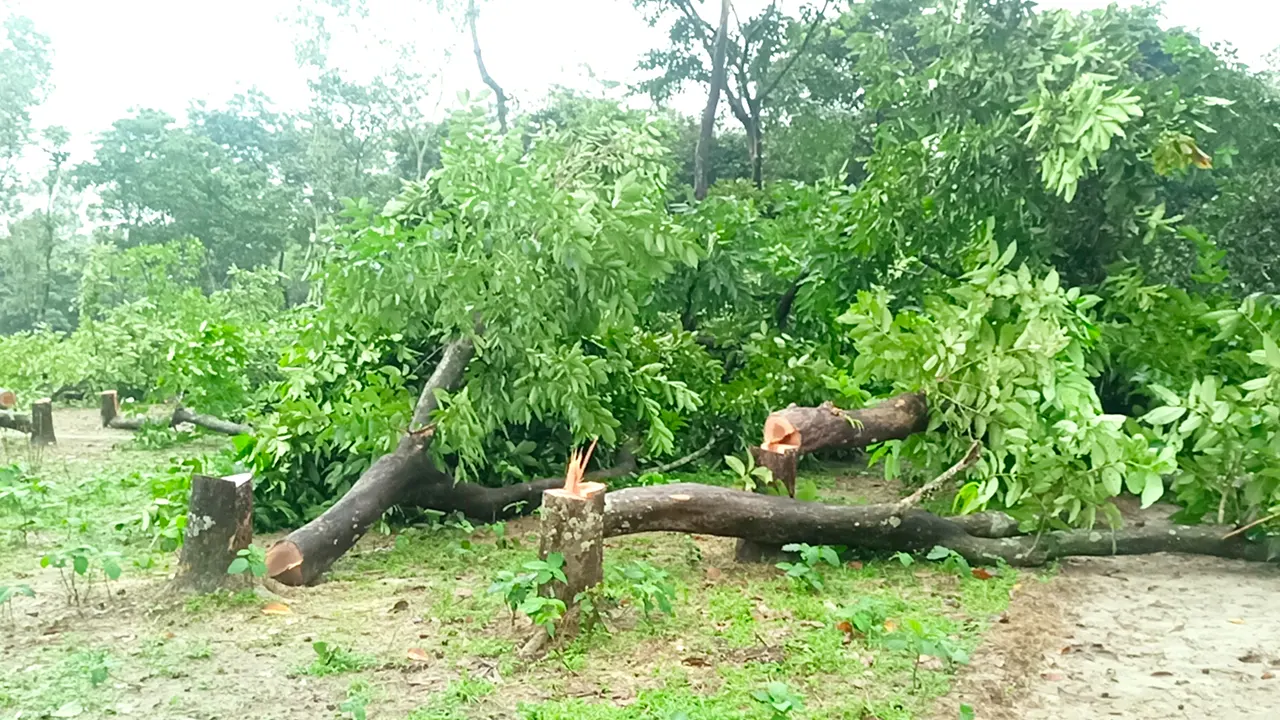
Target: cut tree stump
<point x="110" y="406"/>
<point x="783" y="466"/>
<point x="573" y="525"/>
<point x="8" y="399"/>
<point x="219" y="524"/>
<point x="42" y="422"/>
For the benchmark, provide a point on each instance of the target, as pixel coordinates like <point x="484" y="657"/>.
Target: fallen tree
<point x="15" y="421"/>
<point x="111" y="418"/>
<point x="767" y="519"/>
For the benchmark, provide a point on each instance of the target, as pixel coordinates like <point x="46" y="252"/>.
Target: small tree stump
<point x="573" y="525"/>
<point x="782" y="464"/>
<point x="42" y="422"/>
<point x="8" y="399"/>
<point x="219" y="524"/>
<point x="110" y="406"/>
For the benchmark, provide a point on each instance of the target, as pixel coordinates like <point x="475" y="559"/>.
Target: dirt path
<point x="1151" y="637"/>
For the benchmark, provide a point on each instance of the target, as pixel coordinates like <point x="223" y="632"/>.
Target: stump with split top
<point x="219" y="525"/>
<point x="42" y="423"/>
<point x="573" y="525"/>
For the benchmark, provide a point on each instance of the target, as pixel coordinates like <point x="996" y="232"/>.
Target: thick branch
<point x="774" y="520"/>
<point x="818" y="428"/>
<point x="788" y="299"/>
<point x="15" y="421"/>
<point x="472" y="12"/>
<point x="446" y="376"/>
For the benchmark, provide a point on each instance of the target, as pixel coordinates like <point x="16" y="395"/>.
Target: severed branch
<point x="681" y="462"/>
<point x="472" y="12"/>
<point x="970" y="457"/>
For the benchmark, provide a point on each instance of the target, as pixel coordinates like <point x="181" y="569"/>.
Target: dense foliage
<point x="1058" y="225"/>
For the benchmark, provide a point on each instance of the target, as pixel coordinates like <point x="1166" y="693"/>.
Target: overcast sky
<point x="112" y="56"/>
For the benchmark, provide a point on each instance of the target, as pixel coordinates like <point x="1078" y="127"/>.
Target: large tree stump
<point x="110" y="406"/>
<point x="573" y="525"/>
<point x="782" y="464"/>
<point x="42" y="422"/>
<point x="219" y="525"/>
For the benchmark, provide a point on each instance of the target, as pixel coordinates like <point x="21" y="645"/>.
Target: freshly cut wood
<point x="774" y="520"/>
<point x="42" y="422"/>
<point x="810" y="429"/>
<point x="109" y="407"/>
<point x="8" y="399"/>
<point x="303" y="556"/>
<point x="219" y="525"/>
<point x="15" y="421"/>
<point x="782" y="465"/>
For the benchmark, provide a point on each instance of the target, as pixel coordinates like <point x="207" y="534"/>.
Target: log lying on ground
<point x="773" y="520"/>
<point x="15" y="421"/>
<point x="810" y="429"/>
<point x="307" y="552"/>
<point x="109" y="411"/>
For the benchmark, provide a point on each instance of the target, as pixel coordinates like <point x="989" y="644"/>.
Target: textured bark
<point x="773" y="520"/>
<point x="810" y="429"/>
<point x="42" y="423"/>
<point x="15" y="421"/>
<point x="573" y="525"/>
<point x="109" y="407"/>
<point x="219" y="524"/>
<point x="783" y="466"/>
<point x="303" y="556"/>
<point x="706" y="135"/>
<point x="209" y="422"/>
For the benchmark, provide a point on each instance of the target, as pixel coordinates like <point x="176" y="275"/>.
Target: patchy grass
<point x="410" y="630"/>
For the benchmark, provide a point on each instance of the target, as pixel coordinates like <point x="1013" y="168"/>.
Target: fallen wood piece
<point x="708" y="510"/>
<point x="8" y="399"/>
<point x="209" y="422"/>
<point x="42" y="423"/>
<point x="112" y="419"/>
<point x="809" y="429"/>
<point x="219" y="525"/>
<point x="15" y="421"/>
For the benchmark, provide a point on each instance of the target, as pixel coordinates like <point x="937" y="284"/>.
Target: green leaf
<point x="80" y="564"/>
<point x="237" y="566"/>
<point x="1271" y="351"/>
<point x="1164" y="415"/>
<point x="735" y="465"/>
<point x="1153" y="491"/>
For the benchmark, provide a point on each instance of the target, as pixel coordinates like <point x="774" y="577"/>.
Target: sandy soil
<point x="1149" y="637"/>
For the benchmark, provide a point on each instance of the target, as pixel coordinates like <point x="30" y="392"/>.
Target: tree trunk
<point x="109" y="407"/>
<point x="573" y="525"/>
<point x="755" y="148"/>
<point x="472" y="13"/>
<point x="310" y="550"/>
<point x="42" y="423"/>
<point x="702" y="155"/>
<point x="773" y="520"/>
<point x="15" y="421"/>
<point x="219" y="525"/>
<point x="809" y="429"/>
<point x="179" y="415"/>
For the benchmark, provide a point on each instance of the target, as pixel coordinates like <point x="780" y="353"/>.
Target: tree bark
<point x="810" y="429"/>
<point x="310" y="550"/>
<point x="472" y="13"/>
<point x="42" y="423"/>
<point x="210" y="422"/>
<point x="219" y="525"/>
<point x="109" y="407"/>
<point x="573" y="525"/>
<point x="702" y="155"/>
<point x="15" y="421"/>
<point x="773" y="520"/>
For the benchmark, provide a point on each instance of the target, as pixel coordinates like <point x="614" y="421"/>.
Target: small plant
<point x="951" y="560"/>
<point x="85" y="564"/>
<point x="543" y="611"/>
<point x="865" y="618"/>
<point x="779" y="699"/>
<point x="747" y="475"/>
<point x="9" y="592"/>
<point x="904" y="558"/>
<point x="912" y="637"/>
<point x="251" y="561"/>
<point x="521" y="592"/>
<point x="643" y="584"/>
<point x="335" y="660"/>
<point x="359" y="693"/>
<point x="20" y="490"/>
<point x="806" y="573"/>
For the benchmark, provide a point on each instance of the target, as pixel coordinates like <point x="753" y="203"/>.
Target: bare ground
<point x="1149" y="637"/>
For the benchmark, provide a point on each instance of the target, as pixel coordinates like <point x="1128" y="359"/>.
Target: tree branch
<point x="791" y="61"/>
<point x="472" y="12"/>
<point x="970" y="457"/>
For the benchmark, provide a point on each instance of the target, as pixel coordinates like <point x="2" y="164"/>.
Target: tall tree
<point x="702" y="157"/>
<point x="761" y="54"/>
<point x="24" y="80"/>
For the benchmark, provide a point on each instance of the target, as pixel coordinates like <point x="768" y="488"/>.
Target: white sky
<point x="111" y="56"/>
